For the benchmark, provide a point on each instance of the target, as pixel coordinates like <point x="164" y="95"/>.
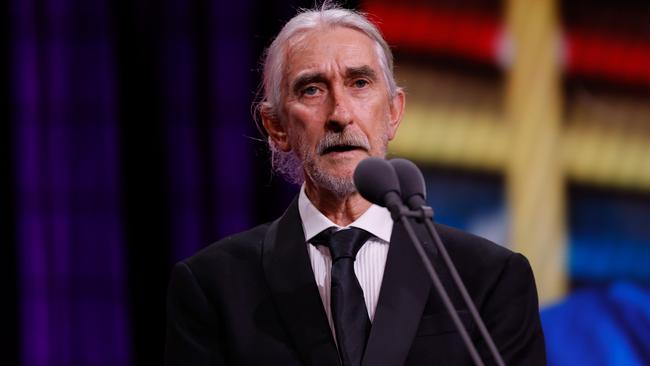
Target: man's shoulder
<point x="245" y="245"/>
<point x="467" y="243"/>
<point x="469" y="250"/>
<point x="480" y="260"/>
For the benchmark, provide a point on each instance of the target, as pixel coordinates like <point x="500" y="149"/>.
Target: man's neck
<point x="340" y="210"/>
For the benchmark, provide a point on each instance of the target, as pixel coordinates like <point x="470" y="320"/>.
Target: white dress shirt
<point x="371" y="259"/>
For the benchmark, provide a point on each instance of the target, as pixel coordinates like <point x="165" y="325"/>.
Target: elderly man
<point x="334" y="280"/>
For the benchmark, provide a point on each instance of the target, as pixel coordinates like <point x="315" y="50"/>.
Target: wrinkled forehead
<point x="327" y="48"/>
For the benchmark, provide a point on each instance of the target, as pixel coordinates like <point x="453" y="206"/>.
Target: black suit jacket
<point x="251" y="299"/>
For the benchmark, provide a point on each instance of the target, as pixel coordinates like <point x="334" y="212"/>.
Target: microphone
<point x="411" y="182"/>
<point x="377" y="182"/>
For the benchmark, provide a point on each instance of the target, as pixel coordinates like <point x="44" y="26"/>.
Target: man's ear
<point x="397" y="104"/>
<point x="274" y="128"/>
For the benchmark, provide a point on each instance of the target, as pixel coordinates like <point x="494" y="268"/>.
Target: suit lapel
<point x="291" y="281"/>
<point x="404" y="292"/>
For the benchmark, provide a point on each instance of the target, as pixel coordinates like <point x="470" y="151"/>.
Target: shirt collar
<point x="376" y="220"/>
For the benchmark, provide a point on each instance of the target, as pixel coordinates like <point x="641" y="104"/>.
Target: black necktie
<point x="351" y="322"/>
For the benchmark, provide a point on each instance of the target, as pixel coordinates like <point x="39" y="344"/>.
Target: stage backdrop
<point x="127" y="143"/>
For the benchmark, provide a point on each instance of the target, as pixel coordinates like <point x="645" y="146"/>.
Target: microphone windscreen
<point x="374" y="178"/>
<point x="411" y="182"/>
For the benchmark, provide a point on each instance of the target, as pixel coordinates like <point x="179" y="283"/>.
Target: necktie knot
<point x="342" y="243"/>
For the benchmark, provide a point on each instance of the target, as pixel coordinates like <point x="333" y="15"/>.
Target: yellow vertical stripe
<point x="534" y="168"/>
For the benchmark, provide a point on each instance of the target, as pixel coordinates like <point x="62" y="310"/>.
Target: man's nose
<point x="341" y="114"/>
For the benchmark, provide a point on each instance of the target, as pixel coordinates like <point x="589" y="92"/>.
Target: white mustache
<point x="332" y="139"/>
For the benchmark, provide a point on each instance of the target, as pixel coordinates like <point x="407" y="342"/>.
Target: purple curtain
<point x="132" y="147"/>
<point x="208" y="121"/>
<point x="232" y="58"/>
<point x="70" y="244"/>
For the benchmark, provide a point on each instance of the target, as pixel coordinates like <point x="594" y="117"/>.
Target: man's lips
<point x="341" y="148"/>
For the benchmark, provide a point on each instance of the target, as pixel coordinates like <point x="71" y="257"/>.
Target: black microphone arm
<point x="377" y="181"/>
<point x="413" y="191"/>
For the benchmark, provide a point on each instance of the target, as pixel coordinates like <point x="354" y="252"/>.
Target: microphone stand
<point x="426" y="214"/>
<point x="401" y="216"/>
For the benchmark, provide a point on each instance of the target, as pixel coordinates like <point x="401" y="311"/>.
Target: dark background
<point x="129" y="144"/>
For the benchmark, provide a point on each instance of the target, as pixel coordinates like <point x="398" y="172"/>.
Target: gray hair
<point x="327" y="15"/>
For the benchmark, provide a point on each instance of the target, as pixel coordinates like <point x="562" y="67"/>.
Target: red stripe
<point x="474" y="36"/>
<point x="425" y="29"/>
<point x="610" y="58"/>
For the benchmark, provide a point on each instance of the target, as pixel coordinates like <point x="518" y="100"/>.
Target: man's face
<point x="336" y="107"/>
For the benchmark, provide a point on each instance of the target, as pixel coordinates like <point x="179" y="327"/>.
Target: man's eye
<point x="310" y="91"/>
<point x="361" y="83"/>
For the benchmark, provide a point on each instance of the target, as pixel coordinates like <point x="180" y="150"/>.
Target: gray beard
<point x="290" y="164"/>
<point x="340" y="187"/>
